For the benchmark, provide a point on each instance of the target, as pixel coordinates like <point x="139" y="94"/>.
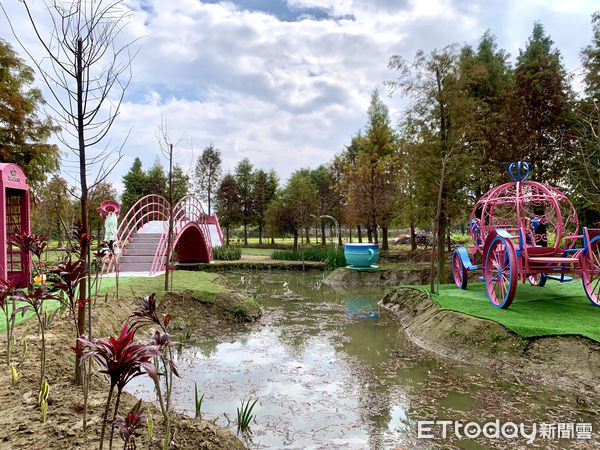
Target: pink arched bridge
<point x="142" y="236"/>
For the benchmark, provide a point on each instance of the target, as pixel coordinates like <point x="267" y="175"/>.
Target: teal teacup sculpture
<point x="361" y="256"/>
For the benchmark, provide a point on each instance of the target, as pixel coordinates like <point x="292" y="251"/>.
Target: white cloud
<point x="290" y="94"/>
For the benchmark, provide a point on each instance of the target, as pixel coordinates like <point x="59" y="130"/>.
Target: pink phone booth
<point x="15" y="265"/>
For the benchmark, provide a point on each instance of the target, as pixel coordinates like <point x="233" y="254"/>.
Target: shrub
<point x="227" y="253"/>
<point x="331" y="257"/>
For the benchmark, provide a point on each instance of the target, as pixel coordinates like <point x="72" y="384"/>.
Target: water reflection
<point x="362" y="307"/>
<point x="330" y="369"/>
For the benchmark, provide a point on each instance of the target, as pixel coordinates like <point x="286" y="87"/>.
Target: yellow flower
<point x="39" y="278"/>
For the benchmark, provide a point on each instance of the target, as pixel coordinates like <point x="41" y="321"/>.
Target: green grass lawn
<point x="555" y="309"/>
<point x="199" y="282"/>
<point x="257" y="251"/>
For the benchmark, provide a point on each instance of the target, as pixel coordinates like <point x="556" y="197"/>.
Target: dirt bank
<point x="413" y="274"/>
<point x="569" y="362"/>
<point x="20" y="425"/>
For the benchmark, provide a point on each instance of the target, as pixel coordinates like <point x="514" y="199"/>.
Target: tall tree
<point x="135" y="183"/>
<point x="487" y="79"/>
<point x="590" y="60"/>
<point x="540" y="106"/>
<point x="586" y="163"/>
<point x="291" y="210"/>
<point x="228" y="205"/>
<point x="434" y="128"/>
<point x="53" y="213"/>
<point x="207" y="174"/>
<point x="300" y="197"/>
<point x="156" y="180"/>
<point x="369" y="183"/>
<point x="87" y="71"/>
<point x="243" y="178"/>
<point x="273" y="187"/>
<point x="23" y="135"/>
<point x="261" y="196"/>
<point x="322" y="178"/>
<point x="181" y="184"/>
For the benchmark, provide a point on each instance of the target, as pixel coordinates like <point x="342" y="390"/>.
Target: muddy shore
<point x="20" y="424"/>
<point x="566" y="362"/>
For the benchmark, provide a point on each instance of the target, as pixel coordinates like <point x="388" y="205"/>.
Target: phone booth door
<point x="16" y="222"/>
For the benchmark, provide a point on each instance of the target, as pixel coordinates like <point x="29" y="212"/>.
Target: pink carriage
<point x="527" y="231"/>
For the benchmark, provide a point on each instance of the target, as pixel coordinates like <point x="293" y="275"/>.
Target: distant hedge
<point x="332" y="258"/>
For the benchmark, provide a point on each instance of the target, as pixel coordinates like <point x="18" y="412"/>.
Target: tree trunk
<point x="442" y="248"/>
<point x="350" y="234"/>
<point x="323" y="243"/>
<point x="370" y="233"/>
<point x="245" y="233"/>
<point x="227" y="235"/>
<point x="448" y="240"/>
<point x="307" y="233"/>
<point x="85" y="228"/>
<point x="260" y="234"/>
<point x="170" y="235"/>
<point x="359" y="234"/>
<point x="413" y="237"/>
<point x="272" y="240"/>
<point x="375" y="233"/>
<point x="340" y="235"/>
<point x="296" y="240"/>
<point x="208" y="195"/>
<point x="384" y="238"/>
<point x="435" y="238"/>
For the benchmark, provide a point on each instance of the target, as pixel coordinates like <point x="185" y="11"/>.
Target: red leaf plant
<point x="147" y="315"/>
<point x="121" y="359"/>
<point x="70" y="274"/>
<point x="30" y="243"/>
<point x="34" y="299"/>
<point x="127" y="425"/>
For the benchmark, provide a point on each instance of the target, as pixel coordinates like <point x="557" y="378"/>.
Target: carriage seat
<point x="540" y="251"/>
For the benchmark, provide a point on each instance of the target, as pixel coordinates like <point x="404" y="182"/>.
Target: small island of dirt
<point x="568" y="362"/>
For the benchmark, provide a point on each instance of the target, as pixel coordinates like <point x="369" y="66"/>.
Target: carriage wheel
<point x="459" y="272"/>
<point x="591" y="274"/>
<point x="537" y="279"/>
<point x="501" y="272"/>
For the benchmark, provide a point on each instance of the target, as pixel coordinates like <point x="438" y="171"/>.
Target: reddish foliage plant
<point x="127" y="425"/>
<point x="121" y="359"/>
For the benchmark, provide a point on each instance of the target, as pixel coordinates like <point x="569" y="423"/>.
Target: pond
<point x="330" y="368"/>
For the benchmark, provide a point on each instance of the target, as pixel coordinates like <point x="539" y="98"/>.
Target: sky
<point x="287" y="83"/>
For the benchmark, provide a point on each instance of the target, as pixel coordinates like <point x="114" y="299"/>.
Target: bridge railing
<point x="147" y="209"/>
<point x="188" y="209"/>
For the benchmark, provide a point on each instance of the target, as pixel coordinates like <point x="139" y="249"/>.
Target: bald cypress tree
<point x="540" y="109"/>
<point x="23" y="134"/>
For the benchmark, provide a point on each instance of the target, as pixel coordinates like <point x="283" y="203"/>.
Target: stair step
<point x="145" y="238"/>
<point x="135" y="267"/>
<point x="140" y="250"/>
<point x="137" y="259"/>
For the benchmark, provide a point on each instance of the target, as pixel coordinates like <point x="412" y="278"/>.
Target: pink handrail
<point x="147" y="209"/>
<point x="156" y="208"/>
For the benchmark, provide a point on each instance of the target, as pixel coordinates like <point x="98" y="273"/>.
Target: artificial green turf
<point x="199" y="282"/>
<point x="555" y="309"/>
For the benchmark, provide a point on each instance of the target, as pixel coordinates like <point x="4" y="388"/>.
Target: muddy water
<point x="330" y="369"/>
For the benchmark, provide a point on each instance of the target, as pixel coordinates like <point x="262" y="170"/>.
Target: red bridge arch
<point x="191" y="238"/>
